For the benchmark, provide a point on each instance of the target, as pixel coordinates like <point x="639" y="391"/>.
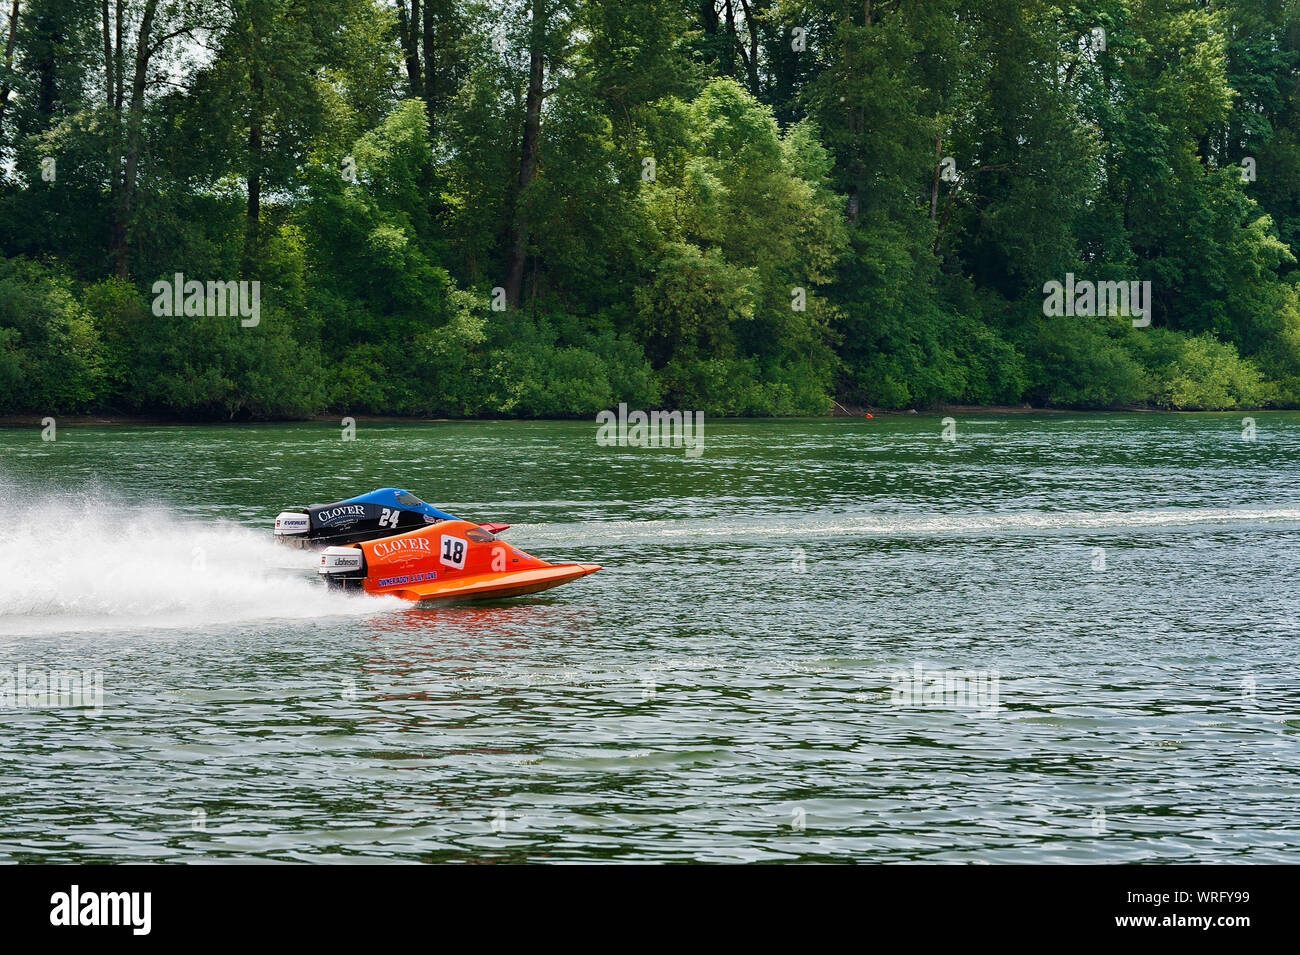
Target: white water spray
<point x="90" y="562"/>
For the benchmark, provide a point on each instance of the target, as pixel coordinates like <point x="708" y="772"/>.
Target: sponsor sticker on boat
<point x="336" y="515"/>
<point x="406" y="579"/>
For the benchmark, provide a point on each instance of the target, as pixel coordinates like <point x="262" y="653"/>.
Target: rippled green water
<point x="726" y="689"/>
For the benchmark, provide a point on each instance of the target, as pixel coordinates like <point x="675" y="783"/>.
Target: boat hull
<point x="444" y="562"/>
<point x="496" y="586"/>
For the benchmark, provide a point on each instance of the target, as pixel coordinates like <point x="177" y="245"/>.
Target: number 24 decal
<point x="388" y="516"/>
<point x="453" y="552"/>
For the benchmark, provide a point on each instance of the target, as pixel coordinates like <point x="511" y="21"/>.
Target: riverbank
<point x="858" y="411"/>
<point x="839" y="411"/>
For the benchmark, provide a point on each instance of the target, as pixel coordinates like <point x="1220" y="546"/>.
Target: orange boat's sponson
<point x="510" y="584"/>
<point x="458" y="560"/>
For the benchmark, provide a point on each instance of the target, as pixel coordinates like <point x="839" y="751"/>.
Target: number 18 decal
<point x="453" y="552"/>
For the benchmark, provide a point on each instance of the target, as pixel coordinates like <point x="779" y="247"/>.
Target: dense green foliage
<point x="548" y="207"/>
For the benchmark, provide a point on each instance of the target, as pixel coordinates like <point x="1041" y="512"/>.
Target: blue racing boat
<point x="366" y="517"/>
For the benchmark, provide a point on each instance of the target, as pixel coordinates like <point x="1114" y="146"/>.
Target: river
<point x="1043" y="638"/>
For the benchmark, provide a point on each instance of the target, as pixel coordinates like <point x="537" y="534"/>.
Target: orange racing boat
<point x="450" y="560"/>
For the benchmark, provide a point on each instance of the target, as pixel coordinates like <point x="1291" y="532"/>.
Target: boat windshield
<point x="409" y="500"/>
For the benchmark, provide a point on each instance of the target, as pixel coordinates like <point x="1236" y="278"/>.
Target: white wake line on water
<point x="957" y="525"/>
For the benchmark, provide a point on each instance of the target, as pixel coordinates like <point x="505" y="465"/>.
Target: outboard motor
<point x="293" y="527"/>
<point x="344" y="568"/>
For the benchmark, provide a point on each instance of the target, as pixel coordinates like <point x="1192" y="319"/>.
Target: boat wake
<point x="988" y="524"/>
<point x="80" y="562"/>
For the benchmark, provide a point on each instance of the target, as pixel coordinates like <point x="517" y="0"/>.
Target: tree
<point x="136" y="34"/>
<point x="547" y="42"/>
<point x="7" y="66"/>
